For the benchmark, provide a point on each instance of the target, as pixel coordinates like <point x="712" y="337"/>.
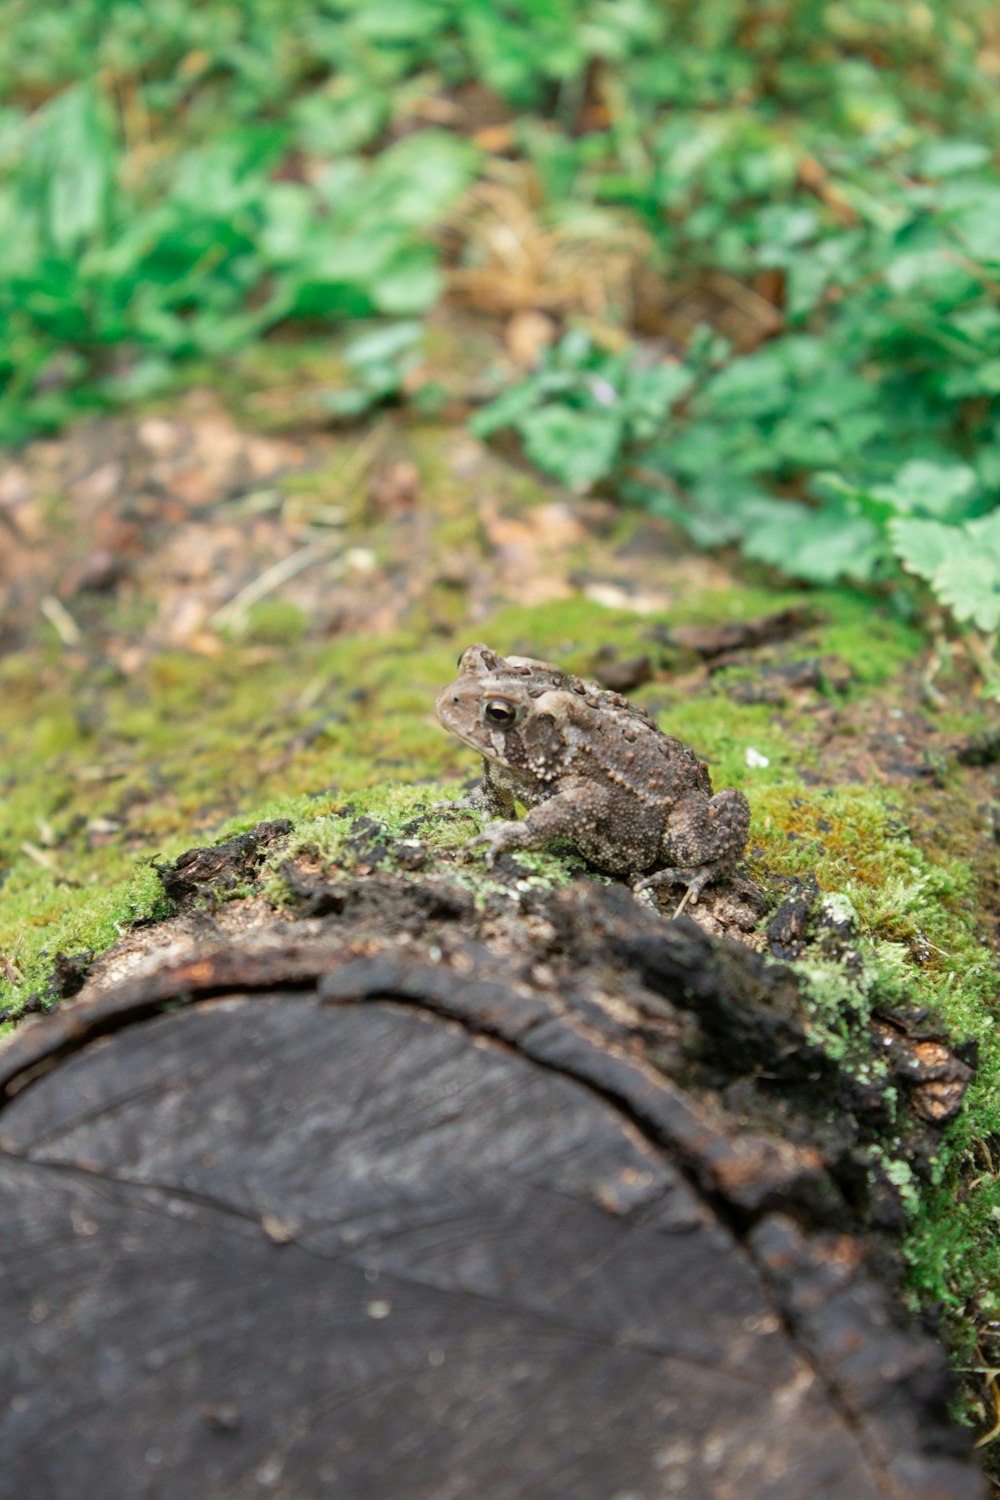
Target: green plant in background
<point x="219" y="173"/>
<point x="584" y="410"/>
<point x="100" y="291"/>
<point x="379" y="362"/>
<point x="234" y="168"/>
<point x="877" y="399"/>
<point x="177" y="185"/>
<point x="870" y="404"/>
<point x="587" y="416"/>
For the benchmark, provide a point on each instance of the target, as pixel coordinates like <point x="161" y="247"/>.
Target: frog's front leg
<point x="487" y="797"/>
<point x="576" y="809"/>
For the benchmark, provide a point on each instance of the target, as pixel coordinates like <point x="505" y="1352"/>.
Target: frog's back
<point x="628" y="747"/>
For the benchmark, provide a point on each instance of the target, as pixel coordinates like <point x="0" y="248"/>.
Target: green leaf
<point x="410" y="283"/>
<point x="969" y="584"/>
<point x="921" y="545"/>
<point x="947" y="156"/>
<point x="650" y="393"/>
<point x="579" y="448"/>
<point x="820" y="546"/>
<point x="984" y="533"/>
<point x="418" y="180"/>
<point x="961" y="564"/>
<point x="857" y="500"/>
<point x="974" y="213"/>
<point x="506" y="410"/>
<point x="982" y="380"/>
<point x="922" y="487"/>
<point x="398" y="20"/>
<point x="934" y="274"/>
<point x="345" y="116"/>
<point x="72" y="147"/>
<point x="352" y="401"/>
<point x="289" y="214"/>
<point x="383" y="345"/>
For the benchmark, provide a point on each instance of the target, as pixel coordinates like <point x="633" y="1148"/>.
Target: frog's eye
<point x="499" y="711"/>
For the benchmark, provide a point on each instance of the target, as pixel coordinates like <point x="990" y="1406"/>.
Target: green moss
<point x="919" y="937"/>
<point x="73" y="919"/>
<point x="273" y="622"/>
<point x="837" y="1006"/>
<point x="859" y="841"/>
<point x="902" y="1177"/>
<point x="166" y="755"/>
<point x="402" y="820"/>
<point x="873" y="640"/>
<point x="168" y="752"/>
<point x="171" y="750"/>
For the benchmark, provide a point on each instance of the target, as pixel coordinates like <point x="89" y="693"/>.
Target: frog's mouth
<point x="445" y="707"/>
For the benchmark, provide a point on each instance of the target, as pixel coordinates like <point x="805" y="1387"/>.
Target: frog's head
<point x="515" y="710"/>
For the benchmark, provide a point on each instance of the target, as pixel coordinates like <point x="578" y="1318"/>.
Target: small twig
<point x="310" y="695"/>
<point x="981" y="649"/>
<point x="941" y="657"/>
<point x="656" y="481"/>
<point x="272" y="578"/>
<point x="100" y="773"/>
<point x="8" y="520"/>
<point x="982" y="1146"/>
<point x="974" y="268"/>
<point x="934" y="947"/>
<point x="994" y="1391"/>
<point x="361" y="457"/>
<point x="747" y="300"/>
<point x="41" y="857"/>
<point x="61" y="620"/>
<point x="683" y="902"/>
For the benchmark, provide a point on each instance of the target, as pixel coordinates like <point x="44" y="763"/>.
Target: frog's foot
<point x="695" y="879"/>
<point x="498" y="838"/>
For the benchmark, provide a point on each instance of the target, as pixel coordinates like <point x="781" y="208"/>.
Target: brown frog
<point x="591" y="768"/>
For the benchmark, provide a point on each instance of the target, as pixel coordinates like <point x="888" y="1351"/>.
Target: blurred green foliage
<point x="180" y="180"/>
<point x="101" y="288"/>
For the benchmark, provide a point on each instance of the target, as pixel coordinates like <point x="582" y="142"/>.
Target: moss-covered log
<point x="384" y="1202"/>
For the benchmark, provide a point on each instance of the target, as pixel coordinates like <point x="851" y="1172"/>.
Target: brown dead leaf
<point x="395" y="487"/>
<point x="528" y="334"/>
<point x="495" y="138"/>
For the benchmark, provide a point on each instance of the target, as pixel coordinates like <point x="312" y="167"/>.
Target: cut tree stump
<point x="305" y="1220"/>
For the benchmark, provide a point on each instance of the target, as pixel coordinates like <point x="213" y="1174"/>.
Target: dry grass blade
<point x="61" y="620"/>
<point x="266" y="582"/>
<point x="993" y="1390"/>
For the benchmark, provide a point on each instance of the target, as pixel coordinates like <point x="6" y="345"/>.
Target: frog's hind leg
<point x="703" y="840"/>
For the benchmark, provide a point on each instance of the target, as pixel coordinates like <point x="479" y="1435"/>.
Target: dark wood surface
<point x="337" y="1241"/>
